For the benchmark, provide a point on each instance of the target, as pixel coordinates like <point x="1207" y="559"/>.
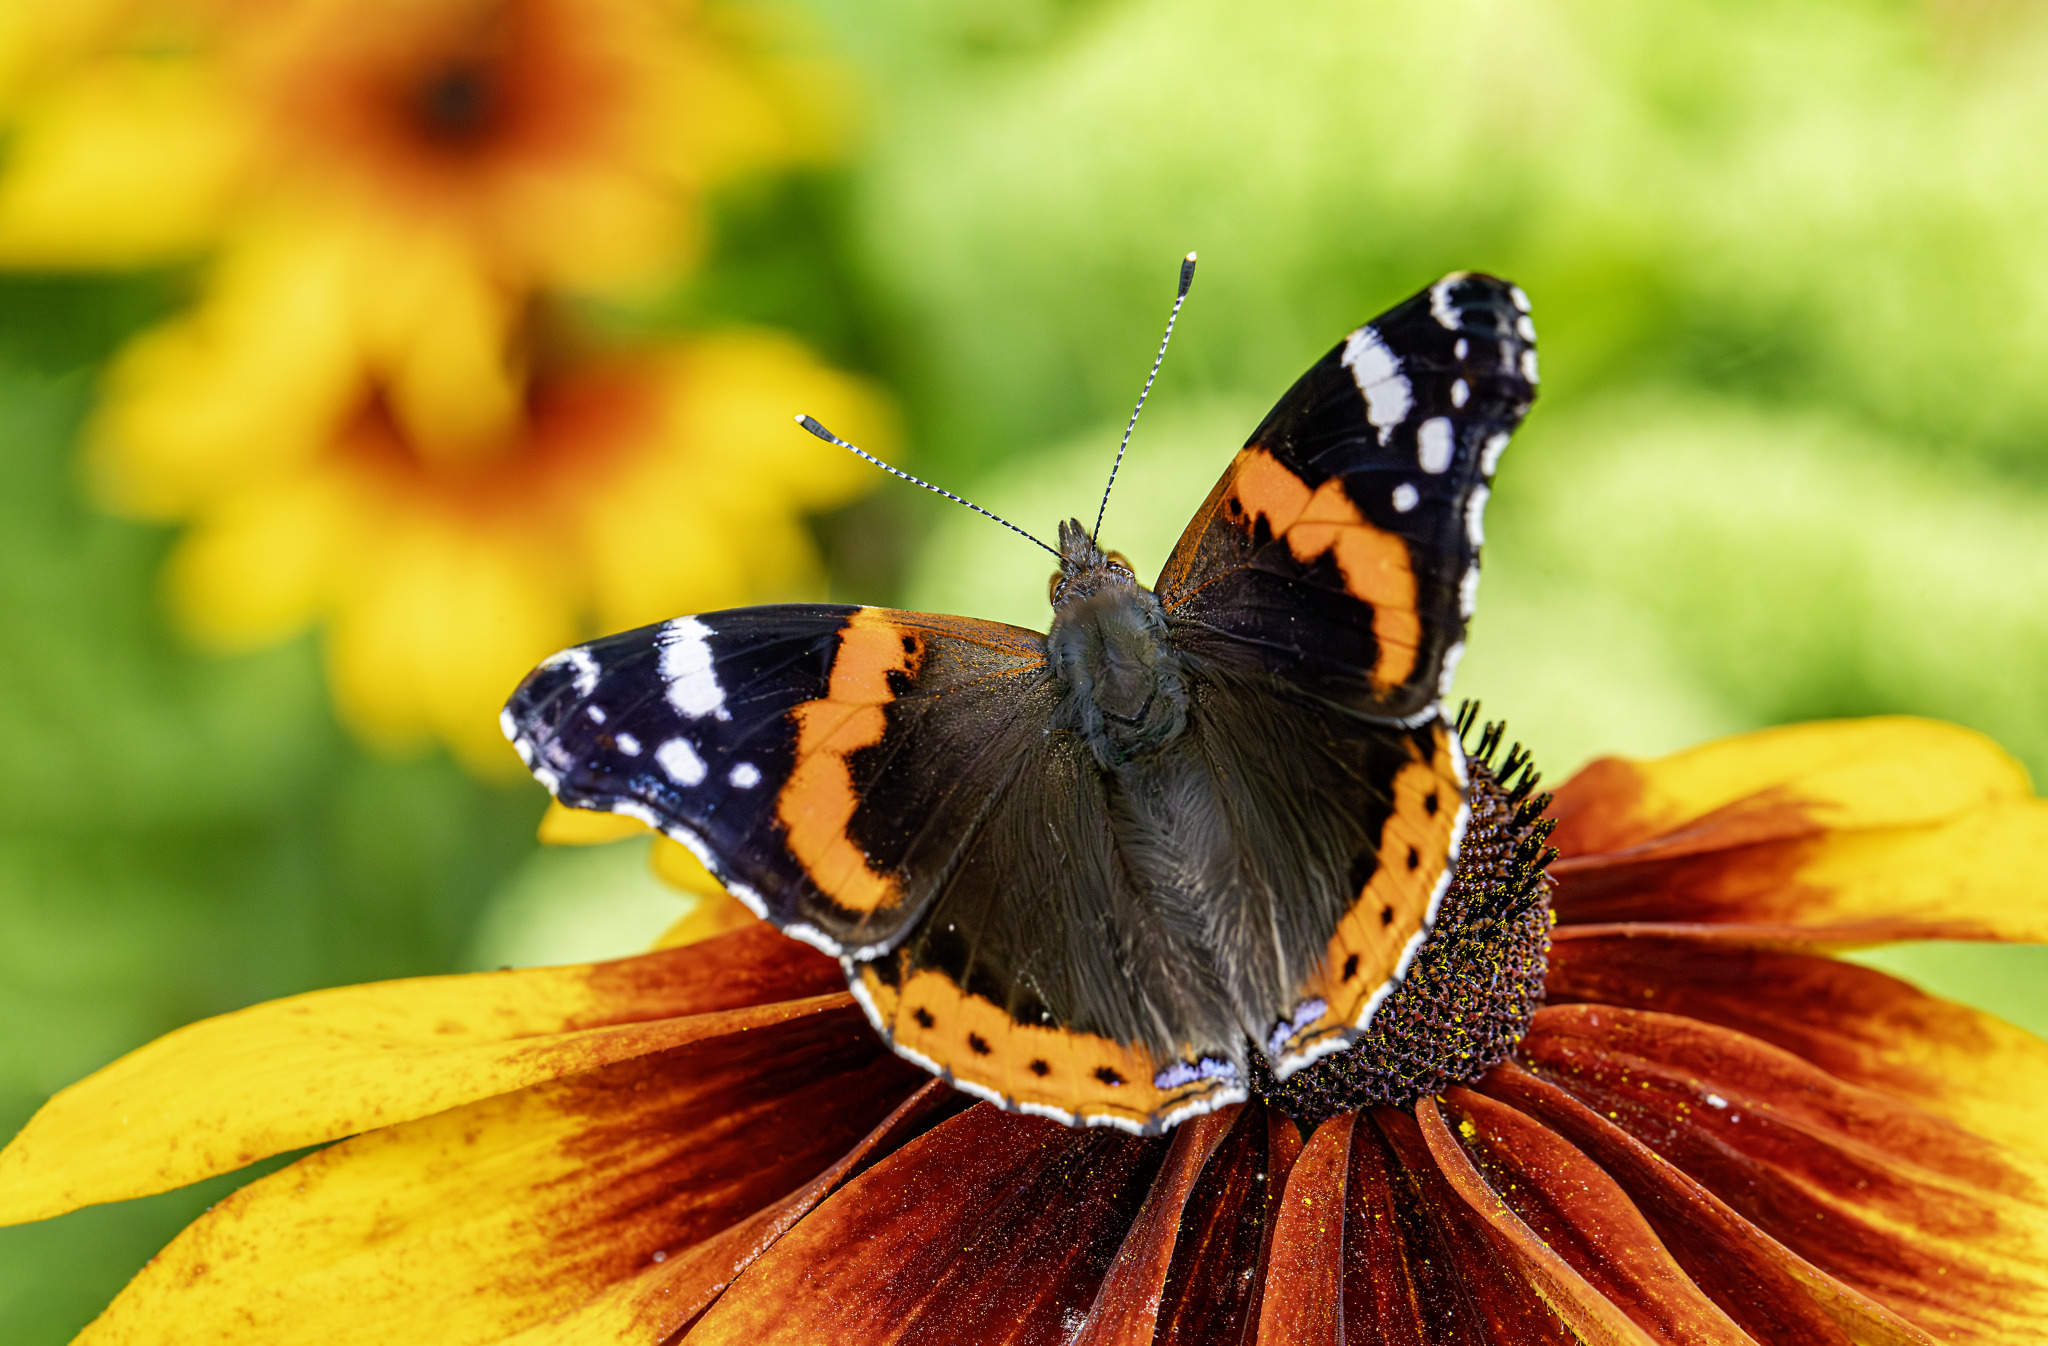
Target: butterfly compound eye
<point x="1054" y="587"/>
<point x="1120" y="563"/>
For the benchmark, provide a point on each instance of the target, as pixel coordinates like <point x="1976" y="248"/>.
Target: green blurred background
<point x="1790" y="459"/>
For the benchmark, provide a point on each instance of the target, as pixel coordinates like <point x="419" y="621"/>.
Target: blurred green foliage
<point x="1791" y="458"/>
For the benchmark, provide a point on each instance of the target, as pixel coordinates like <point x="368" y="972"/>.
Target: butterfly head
<point x="1086" y="569"/>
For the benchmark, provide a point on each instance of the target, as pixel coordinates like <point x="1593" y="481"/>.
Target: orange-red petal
<point x="1773" y="1293"/>
<point x="663" y="1298"/>
<point x="1192" y="1267"/>
<point x="1947" y="1229"/>
<point x="991" y="1228"/>
<point x="479" y="1222"/>
<point x="1579" y="1215"/>
<point x="1848" y="832"/>
<point x="1887" y="771"/>
<point x="1856" y="1023"/>
<point x="223" y="1093"/>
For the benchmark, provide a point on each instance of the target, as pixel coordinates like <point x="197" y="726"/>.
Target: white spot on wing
<point x="1378" y="375"/>
<point x="1525" y="328"/>
<point x="1405" y="497"/>
<point x="1489" y="457"/>
<point x="1440" y="306"/>
<point x="1434" y="443"/>
<point x="745" y="776"/>
<point x="507" y="725"/>
<point x="1520" y="300"/>
<point x="1468" y="592"/>
<point x="1461" y="392"/>
<point x="1475" y="516"/>
<point x="686" y="666"/>
<point x="1529" y="366"/>
<point x="1462" y="349"/>
<point x="627" y="744"/>
<point x="596" y="714"/>
<point x="680" y="761"/>
<point x="579" y="659"/>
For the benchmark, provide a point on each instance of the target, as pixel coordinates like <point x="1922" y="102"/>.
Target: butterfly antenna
<point x="810" y="424"/>
<point x="1187" y="278"/>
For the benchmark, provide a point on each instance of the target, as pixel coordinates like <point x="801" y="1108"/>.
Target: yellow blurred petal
<point x="132" y="161"/>
<point x="715" y="914"/>
<point x="605" y="230"/>
<point x="220" y="1094"/>
<point x="1888" y="771"/>
<point x="441" y="623"/>
<point x="734" y="380"/>
<point x="674" y="864"/>
<point x="439" y="334"/>
<point x="41" y="40"/>
<point x="471" y="1225"/>
<point x="257" y="569"/>
<point x="564" y="826"/>
<point x="256" y="379"/>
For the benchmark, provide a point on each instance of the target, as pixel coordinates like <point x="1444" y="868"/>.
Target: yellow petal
<point x="564" y="826"/>
<point x="715" y="914"/>
<point x="1887" y="771"/>
<point x="220" y="1094"/>
<point x="257" y="569"/>
<point x="253" y="382"/>
<point x="440" y="622"/>
<point x="469" y="1226"/>
<point x="438" y="333"/>
<point x="675" y="865"/>
<point x="132" y="161"/>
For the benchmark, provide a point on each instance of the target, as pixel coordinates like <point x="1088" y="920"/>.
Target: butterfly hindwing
<point x="1341" y="547"/>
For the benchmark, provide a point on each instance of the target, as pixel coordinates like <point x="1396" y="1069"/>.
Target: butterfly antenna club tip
<point x="1187" y="279"/>
<point x="812" y="424"/>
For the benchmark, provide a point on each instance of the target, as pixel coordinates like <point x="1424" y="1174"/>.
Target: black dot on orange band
<point x="1429" y="803"/>
<point x="1386" y="915"/>
<point x="1108" y="1076"/>
<point x="910" y="644"/>
<point x="1414" y="858"/>
<point x="979" y="1044"/>
<point x="1040" y="1068"/>
<point x="923" y="1016"/>
<point x="1350" y="967"/>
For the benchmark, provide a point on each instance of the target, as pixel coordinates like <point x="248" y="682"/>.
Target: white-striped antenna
<point x="1187" y="278"/>
<point x="811" y="424"/>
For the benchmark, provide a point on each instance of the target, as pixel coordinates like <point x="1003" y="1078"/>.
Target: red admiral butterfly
<point x="1082" y="873"/>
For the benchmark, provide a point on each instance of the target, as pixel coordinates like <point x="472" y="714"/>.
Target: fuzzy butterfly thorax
<point x="1121" y="679"/>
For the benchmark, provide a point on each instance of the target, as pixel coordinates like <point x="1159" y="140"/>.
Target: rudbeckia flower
<point x="1709" y="1131"/>
<point x="362" y="419"/>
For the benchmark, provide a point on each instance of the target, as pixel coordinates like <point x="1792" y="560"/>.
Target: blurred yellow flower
<point x="628" y="489"/>
<point x="364" y="417"/>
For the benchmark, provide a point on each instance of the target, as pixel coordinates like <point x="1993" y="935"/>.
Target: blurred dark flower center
<point x="1476" y="982"/>
<point x="455" y="103"/>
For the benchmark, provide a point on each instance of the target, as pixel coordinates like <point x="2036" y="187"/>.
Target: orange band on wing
<point x="818" y="802"/>
<point x="1038" y="1067"/>
<point x="1374" y="563"/>
<point x="1392" y="908"/>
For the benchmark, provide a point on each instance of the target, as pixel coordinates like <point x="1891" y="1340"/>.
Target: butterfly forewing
<point x="1340" y="549"/>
